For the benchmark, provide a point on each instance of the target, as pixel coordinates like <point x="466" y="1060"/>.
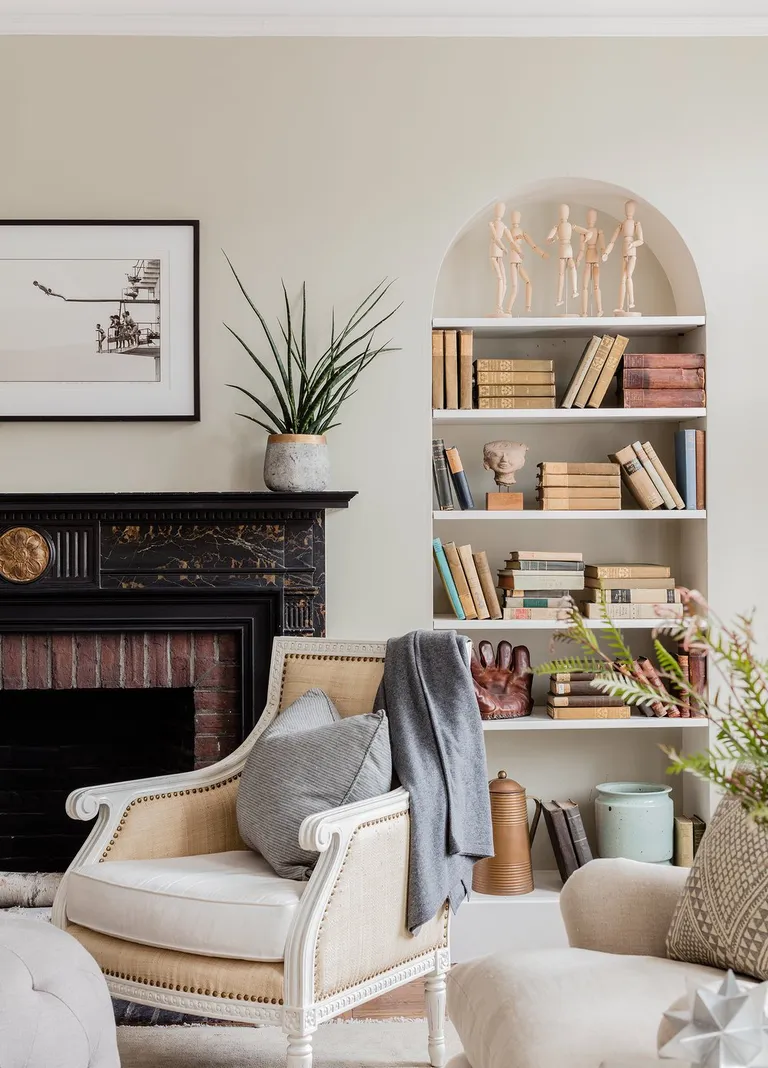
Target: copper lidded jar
<point x="509" y="870"/>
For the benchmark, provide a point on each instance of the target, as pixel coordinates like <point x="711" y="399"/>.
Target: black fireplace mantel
<point x="59" y="546"/>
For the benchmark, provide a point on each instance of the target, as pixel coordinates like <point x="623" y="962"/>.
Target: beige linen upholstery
<point x="350" y="682"/>
<point x="621" y="906"/>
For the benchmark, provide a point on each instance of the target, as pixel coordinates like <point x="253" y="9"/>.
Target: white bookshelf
<point x="564" y="326"/>
<point x="464" y="417"/>
<point x="451" y="623"/>
<point x="621" y="514"/>
<point x="540" y="721"/>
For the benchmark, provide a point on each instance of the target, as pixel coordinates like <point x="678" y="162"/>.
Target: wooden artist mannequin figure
<point x="497" y="251"/>
<point x="631" y="233"/>
<point x="563" y="231"/>
<point x="592" y="248"/>
<point x="516" y="269"/>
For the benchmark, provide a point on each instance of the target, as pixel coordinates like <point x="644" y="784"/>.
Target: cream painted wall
<point x="341" y="161"/>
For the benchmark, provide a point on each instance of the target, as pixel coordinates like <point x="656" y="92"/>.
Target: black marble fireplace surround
<point x="98" y="590"/>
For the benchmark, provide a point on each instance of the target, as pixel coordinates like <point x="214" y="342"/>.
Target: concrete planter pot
<point x="635" y="820"/>
<point x="297" y="463"/>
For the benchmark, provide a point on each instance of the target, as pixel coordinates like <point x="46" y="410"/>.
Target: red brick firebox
<point x="208" y="662"/>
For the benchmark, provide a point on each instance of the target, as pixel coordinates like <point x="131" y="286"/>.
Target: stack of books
<point x="452" y="368"/>
<point x="663" y="380"/>
<point x="514" y="384"/>
<point x="538" y="585"/>
<point x="573" y="487"/>
<point x="572" y="696"/>
<point x="629" y="591"/>
<point x="594" y="372"/>
<point x="468" y="581"/>
<point x="449" y="478"/>
<point x="646" y="477"/>
<point x="689" y="831"/>
<point x="690" y="469"/>
<point x="693" y="666"/>
<point x="567" y="835"/>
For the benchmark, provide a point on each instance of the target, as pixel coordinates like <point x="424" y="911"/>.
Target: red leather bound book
<point x="663" y="378"/>
<point x="664" y="359"/>
<point x="664" y="398"/>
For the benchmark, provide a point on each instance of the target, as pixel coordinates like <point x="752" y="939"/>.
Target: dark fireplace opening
<point x="55" y="741"/>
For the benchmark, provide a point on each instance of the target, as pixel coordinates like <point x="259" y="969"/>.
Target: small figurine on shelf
<point x="516" y="269"/>
<point x="497" y="251"/>
<point x="504" y="458"/>
<point x="503" y="681"/>
<point x="563" y="230"/>
<point x="592" y="247"/>
<point x="631" y="232"/>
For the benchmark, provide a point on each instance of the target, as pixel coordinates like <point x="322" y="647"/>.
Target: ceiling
<point x="504" y="18"/>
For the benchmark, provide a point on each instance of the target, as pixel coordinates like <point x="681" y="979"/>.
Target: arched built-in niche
<point x="666" y="279"/>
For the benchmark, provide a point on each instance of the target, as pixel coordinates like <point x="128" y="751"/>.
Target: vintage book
<point x="535" y="613"/>
<point x="583" y="700"/>
<point x="603" y="712"/>
<point x="444" y="572"/>
<point x="579" y="374"/>
<point x="465" y="368"/>
<point x="685" y="465"/>
<point x="562" y="846"/>
<point x="438" y="370"/>
<point x="538" y="580"/>
<point x="663" y="378"/>
<point x="699" y="827"/>
<point x="574" y="676"/>
<point x="503" y="502"/>
<point x="697" y="671"/>
<point x="663" y="398"/>
<point x="571" y="687"/>
<point x="555" y="467"/>
<point x="577" y="832"/>
<point x="701" y="493"/>
<point x="683" y="841"/>
<point x="653" y="360"/>
<point x="597" y="396"/>
<point x="543" y="554"/>
<point x="621" y="571"/>
<point x="547" y="565"/>
<point x="637" y="480"/>
<point x="589" y="504"/>
<point x="511" y="596"/>
<point x="507" y="366"/>
<point x="473" y="579"/>
<point x="653" y="474"/>
<point x="632" y="596"/>
<point x="650" y="452"/>
<point x="460" y="580"/>
<point x="593" y="371"/>
<point x="515" y="378"/>
<point x="486" y="584"/>
<point x="565" y="481"/>
<point x="685" y="669"/>
<point x="536" y="602"/>
<point x="460" y="484"/>
<point x="576" y="492"/>
<point x="630" y="611"/>
<point x="511" y="403"/>
<point x="645" y="671"/>
<point x="451" y="354"/>
<point x="516" y="391"/>
<point x="636" y="583"/>
<point x="442" y="476"/>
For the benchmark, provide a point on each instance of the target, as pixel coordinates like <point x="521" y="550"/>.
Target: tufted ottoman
<point x="55" y="1010"/>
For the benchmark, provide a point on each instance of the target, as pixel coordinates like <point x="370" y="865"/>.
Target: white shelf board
<point x="454" y="417"/>
<point x="540" y="721"/>
<point x="536" y="514"/>
<point x="546" y="891"/>
<point x="558" y="326"/>
<point x="451" y="623"/>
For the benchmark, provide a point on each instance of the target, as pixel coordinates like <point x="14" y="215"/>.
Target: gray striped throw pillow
<point x="308" y="760"/>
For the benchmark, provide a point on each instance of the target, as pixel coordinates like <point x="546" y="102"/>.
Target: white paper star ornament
<point x="722" y="1027"/>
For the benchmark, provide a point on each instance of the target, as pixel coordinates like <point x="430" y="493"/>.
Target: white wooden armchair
<point x="169" y="901"/>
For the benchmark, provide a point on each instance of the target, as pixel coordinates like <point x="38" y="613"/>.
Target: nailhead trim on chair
<point x="407" y="960"/>
<point x="160" y="797"/>
<point x="322" y="656"/>
<point x="191" y="989"/>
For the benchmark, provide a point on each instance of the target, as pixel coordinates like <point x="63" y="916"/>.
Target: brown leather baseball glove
<point x="502" y="681"/>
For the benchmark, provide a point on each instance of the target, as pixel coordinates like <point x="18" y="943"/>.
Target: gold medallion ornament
<point x="24" y="555"/>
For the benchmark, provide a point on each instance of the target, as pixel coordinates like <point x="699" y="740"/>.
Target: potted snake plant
<point x="308" y="393"/>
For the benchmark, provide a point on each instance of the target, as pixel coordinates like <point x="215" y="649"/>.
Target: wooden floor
<point x="407" y="1001"/>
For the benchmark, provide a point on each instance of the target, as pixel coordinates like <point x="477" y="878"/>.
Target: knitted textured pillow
<point x="308" y="760"/>
<point x="721" y="918"/>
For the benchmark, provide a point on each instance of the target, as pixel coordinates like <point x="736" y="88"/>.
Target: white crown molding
<point x="244" y="25"/>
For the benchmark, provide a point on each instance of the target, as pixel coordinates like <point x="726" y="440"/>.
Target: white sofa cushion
<point x="557" y="1007"/>
<point x="219" y="904"/>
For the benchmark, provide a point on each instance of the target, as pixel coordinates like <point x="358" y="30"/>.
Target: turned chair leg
<point x="435" y="999"/>
<point x="299" y="1054"/>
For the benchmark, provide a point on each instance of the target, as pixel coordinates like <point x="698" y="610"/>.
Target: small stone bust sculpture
<point x="504" y="458"/>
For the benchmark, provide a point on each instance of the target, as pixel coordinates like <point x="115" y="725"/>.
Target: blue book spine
<point x="685" y="466"/>
<point x="447" y="577"/>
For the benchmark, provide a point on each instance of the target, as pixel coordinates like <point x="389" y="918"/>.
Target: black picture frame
<point x="191" y="356"/>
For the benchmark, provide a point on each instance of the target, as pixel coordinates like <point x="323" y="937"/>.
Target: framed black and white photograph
<point x="99" y="320"/>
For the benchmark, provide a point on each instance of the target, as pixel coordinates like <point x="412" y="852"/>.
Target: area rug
<point x="340" y="1044"/>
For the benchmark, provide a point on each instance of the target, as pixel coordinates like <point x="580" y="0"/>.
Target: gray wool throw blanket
<point x="438" y="756"/>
